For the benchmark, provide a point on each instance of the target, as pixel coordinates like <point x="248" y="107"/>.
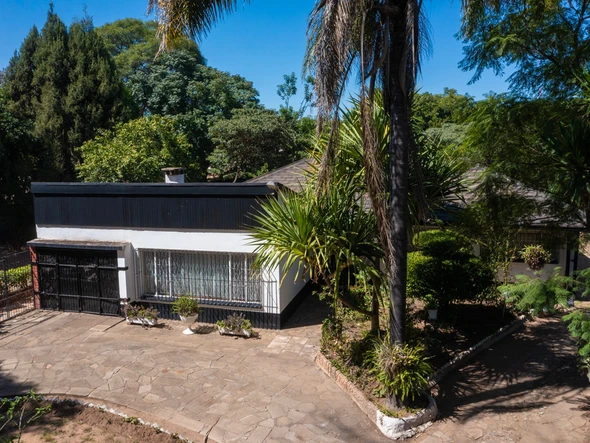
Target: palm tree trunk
<point x="399" y="148"/>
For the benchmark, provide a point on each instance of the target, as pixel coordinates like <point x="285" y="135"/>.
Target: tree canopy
<point x="546" y="41"/>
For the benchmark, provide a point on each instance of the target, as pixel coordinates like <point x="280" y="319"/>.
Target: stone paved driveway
<point x="266" y="389"/>
<point x="524" y="389"/>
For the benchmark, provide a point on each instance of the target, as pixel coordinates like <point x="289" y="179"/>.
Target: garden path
<point x="523" y="389"/>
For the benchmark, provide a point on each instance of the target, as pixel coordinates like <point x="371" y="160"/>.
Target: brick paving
<point x="524" y="389"/>
<point x="263" y="389"/>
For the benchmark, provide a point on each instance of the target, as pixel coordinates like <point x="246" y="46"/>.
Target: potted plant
<point x="235" y="324"/>
<point x="431" y="306"/>
<point x="187" y="309"/>
<point x="140" y="315"/>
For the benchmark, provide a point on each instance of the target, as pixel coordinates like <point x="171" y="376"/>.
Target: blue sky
<point x="261" y="41"/>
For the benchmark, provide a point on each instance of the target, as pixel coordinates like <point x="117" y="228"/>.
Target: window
<point x="217" y="278"/>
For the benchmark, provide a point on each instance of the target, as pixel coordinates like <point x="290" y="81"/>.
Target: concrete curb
<point x="394" y="428"/>
<point x="460" y="359"/>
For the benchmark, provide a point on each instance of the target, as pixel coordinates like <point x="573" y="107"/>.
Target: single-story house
<point x="99" y="244"/>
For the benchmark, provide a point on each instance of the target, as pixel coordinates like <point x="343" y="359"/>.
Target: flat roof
<point x="214" y="189"/>
<point x="78" y="244"/>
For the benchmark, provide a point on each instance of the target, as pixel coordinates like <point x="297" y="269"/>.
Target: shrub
<point x="443" y="244"/>
<point x="441" y="282"/>
<point x="19" y="278"/>
<point x="402" y="371"/>
<point x="186" y="306"/>
<point x="139" y="312"/>
<point x="535" y="256"/>
<point x="332" y="329"/>
<point x="235" y="323"/>
<point x="579" y="327"/>
<point x="535" y="295"/>
<point x="19" y="412"/>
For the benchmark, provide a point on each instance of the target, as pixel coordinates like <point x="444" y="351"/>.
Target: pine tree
<point x="94" y="94"/>
<point x="19" y="77"/>
<point x="50" y="77"/>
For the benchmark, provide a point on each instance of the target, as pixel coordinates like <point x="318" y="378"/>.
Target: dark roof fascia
<point x="163" y="189"/>
<point x="69" y="244"/>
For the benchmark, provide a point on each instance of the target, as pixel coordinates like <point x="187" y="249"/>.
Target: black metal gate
<point x="78" y="280"/>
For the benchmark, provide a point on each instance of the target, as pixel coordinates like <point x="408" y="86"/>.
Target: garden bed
<point x="456" y="331"/>
<point x="72" y="422"/>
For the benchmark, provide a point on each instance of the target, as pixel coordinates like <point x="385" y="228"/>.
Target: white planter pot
<point x="190" y="319"/>
<point x="142" y="321"/>
<point x="242" y="333"/>
<point x="433" y="314"/>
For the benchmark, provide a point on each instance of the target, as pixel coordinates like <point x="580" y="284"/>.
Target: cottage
<point x="101" y="243"/>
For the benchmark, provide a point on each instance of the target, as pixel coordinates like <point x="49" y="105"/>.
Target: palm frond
<point x="192" y="18"/>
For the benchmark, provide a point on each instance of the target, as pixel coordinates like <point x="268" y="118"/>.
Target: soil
<point x="74" y="423"/>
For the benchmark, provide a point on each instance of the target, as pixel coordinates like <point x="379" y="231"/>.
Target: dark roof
<point x="214" y="189"/>
<point x="293" y="175"/>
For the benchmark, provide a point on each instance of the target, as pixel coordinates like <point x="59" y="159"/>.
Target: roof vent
<point x="174" y="175"/>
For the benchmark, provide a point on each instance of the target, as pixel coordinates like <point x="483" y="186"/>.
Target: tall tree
<point x="177" y="83"/>
<point x="133" y="43"/>
<point x="67" y="84"/>
<point x="20" y="71"/>
<point x="546" y="40"/>
<point x="94" y="95"/>
<point x="50" y="79"/>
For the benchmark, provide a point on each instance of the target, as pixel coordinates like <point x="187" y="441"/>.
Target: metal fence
<point x="16" y="285"/>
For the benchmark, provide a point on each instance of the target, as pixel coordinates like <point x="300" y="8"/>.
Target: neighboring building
<point x="100" y="243"/>
<point x="541" y="229"/>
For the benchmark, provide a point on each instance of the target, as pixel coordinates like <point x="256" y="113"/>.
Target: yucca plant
<point x="326" y="236"/>
<point x="400" y="370"/>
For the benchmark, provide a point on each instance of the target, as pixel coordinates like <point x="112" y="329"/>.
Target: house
<point x="559" y="237"/>
<point x="99" y="244"/>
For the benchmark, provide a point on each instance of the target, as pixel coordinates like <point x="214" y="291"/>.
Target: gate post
<point x="35" y="274"/>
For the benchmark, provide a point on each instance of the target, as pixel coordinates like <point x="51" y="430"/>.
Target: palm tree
<point x="383" y="39"/>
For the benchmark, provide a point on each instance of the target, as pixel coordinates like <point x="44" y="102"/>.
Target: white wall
<point x="290" y="286"/>
<point x="153" y="239"/>
<point x="174" y="240"/>
<point x="517" y="268"/>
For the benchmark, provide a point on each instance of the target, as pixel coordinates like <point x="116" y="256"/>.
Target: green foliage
<point x="134" y="43"/>
<point x="537" y="296"/>
<point x="19" y="412"/>
<point x="235" y="323"/>
<point x="22" y="157"/>
<point x="542" y="40"/>
<point x="402" y="371"/>
<point x="136" y="151"/>
<point x="287" y="89"/>
<point x="332" y="329"/>
<point x="326" y="236"/>
<point x="178" y="83"/>
<point x="443" y="244"/>
<point x="535" y="256"/>
<point x="579" y="327"/>
<point x="18" y="278"/>
<point x="436" y="110"/>
<point x="443" y="270"/>
<point x="186" y="306"/>
<point x="250" y="140"/>
<point x="434" y="180"/>
<point x="65" y="82"/>
<point x="139" y="312"/>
